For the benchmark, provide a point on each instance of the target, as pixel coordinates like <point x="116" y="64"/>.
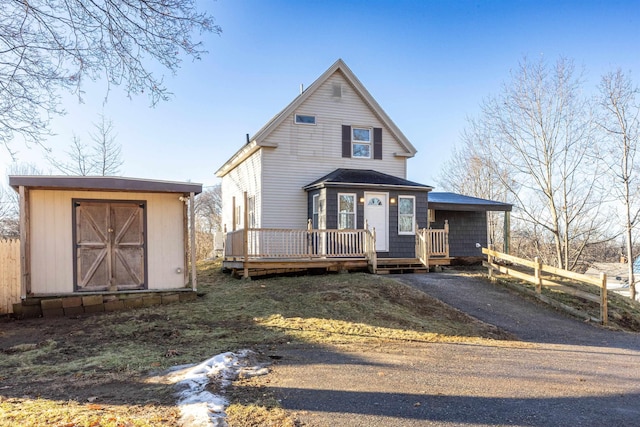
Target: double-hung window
<point x="361" y="142"/>
<point x="406" y="215"/>
<point x="346" y="211"/>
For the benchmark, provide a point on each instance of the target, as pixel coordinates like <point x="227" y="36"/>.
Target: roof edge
<point x="107" y="183"/>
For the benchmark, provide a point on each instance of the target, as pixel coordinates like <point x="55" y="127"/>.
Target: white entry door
<point x="376" y="213"/>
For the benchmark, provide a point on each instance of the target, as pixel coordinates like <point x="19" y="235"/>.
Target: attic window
<point x="302" y="119"/>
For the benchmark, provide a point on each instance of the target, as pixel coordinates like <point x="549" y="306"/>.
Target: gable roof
<point x="258" y="140"/>
<point x="105" y="183"/>
<point x="459" y="202"/>
<point x="364" y="178"/>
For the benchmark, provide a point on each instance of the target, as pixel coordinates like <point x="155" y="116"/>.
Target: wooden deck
<point x="258" y="252"/>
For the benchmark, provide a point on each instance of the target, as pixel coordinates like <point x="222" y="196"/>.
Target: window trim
<point x="295" y="119"/>
<point x="413" y="216"/>
<point x="354" y="142"/>
<point x="354" y="212"/>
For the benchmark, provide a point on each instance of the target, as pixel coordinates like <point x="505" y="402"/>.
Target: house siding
<point x="306" y="152"/>
<point x="51" y="236"/>
<point x="400" y="246"/>
<point x="465" y="230"/>
<point x="247" y="176"/>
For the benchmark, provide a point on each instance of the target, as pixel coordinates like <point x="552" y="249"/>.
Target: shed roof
<point x="364" y="177"/>
<point x="459" y="202"/>
<point x="104" y="183"/>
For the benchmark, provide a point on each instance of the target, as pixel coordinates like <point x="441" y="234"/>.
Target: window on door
<point x="346" y="211"/>
<point x="406" y="215"/>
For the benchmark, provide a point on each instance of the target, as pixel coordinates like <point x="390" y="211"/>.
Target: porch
<point x="253" y="252"/>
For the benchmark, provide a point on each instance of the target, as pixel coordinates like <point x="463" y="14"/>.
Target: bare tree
<point x="48" y="46"/>
<point x="542" y="133"/>
<point x="10" y="202"/>
<point x="102" y="158"/>
<point x="107" y="153"/>
<point x="470" y="171"/>
<point x="208" y="210"/>
<point x="620" y="121"/>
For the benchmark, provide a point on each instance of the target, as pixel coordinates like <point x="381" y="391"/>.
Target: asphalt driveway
<point x="563" y="372"/>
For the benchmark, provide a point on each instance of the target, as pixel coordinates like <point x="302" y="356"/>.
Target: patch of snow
<point x="198" y="406"/>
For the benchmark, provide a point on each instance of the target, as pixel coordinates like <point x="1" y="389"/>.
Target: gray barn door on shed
<point x="110" y="250"/>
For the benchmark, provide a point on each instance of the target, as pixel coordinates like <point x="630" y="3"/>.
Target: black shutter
<point x="346" y="141"/>
<point x="377" y="143"/>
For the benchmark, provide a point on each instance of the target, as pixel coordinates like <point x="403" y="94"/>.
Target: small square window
<point x="303" y="119"/>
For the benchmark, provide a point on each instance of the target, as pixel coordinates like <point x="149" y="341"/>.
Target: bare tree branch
<point x="52" y="46"/>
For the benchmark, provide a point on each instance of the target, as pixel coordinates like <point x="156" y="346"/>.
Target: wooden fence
<point x="539" y="280"/>
<point x="9" y="275"/>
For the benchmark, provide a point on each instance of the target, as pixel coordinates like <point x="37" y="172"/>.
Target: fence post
<point x="604" y="313"/>
<point x="489" y="262"/>
<point x="537" y="274"/>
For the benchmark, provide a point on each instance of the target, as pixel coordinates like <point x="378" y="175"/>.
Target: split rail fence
<point x="539" y="280"/>
<point x="10" y="286"/>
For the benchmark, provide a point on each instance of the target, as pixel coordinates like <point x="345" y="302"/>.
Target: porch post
<point x="507" y="231"/>
<point x="446" y="237"/>
<point x="245" y="236"/>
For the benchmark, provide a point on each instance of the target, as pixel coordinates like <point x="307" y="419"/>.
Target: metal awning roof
<point x="459" y="202"/>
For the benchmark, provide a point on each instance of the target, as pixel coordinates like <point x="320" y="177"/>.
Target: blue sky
<point x="429" y="64"/>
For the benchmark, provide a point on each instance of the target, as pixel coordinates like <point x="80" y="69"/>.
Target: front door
<point x="376" y="213"/>
<point x="110" y="250"/>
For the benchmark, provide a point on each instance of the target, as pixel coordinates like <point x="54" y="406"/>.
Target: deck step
<point x="400" y="266"/>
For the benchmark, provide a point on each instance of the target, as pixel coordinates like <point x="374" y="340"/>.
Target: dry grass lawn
<point x="94" y="370"/>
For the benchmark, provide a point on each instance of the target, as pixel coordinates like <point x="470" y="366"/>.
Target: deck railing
<point x="291" y="244"/>
<point x="261" y="243"/>
<point x="432" y="243"/>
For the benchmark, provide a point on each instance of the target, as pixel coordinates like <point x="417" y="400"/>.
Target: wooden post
<point x="604" y="312"/>
<point x="25" y="243"/>
<point x="192" y="220"/>
<point x="507" y="232"/>
<point x="425" y="243"/>
<point x="224" y="241"/>
<point x="373" y="250"/>
<point x="309" y="238"/>
<point x="233" y="213"/>
<point x="446" y="237"/>
<point x="245" y="237"/>
<point x="489" y="262"/>
<point x="537" y="275"/>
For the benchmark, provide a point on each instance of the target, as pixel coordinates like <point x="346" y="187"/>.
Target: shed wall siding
<point x="52" y="238"/>
<point x="247" y="176"/>
<point x="465" y="230"/>
<point x="305" y="153"/>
